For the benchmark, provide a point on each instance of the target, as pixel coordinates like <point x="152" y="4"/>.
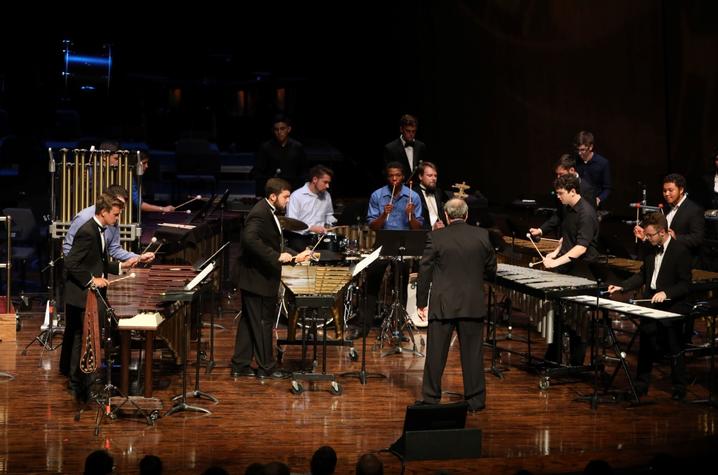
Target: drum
<point x="331" y="242"/>
<point x="411" y="302"/>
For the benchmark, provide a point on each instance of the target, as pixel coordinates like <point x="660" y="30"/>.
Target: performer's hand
<point x="672" y="233"/>
<point x="100" y="282"/>
<point x="303" y="256"/>
<point x="318" y="229"/>
<point x="147" y="257"/>
<point x="639" y="232"/>
<point x="614" y="288"/>
<point x="285" y="257"/>
<point x="131" y="262"/>
<point x="438" y="224"/>
<point x="659" y="297"/>
<point x="168" y="209"/>
<point x="388" y="208"/>
<point x="422" y="311"/>
<point x="536" y="232"/>
<point x="410" y="209"/>
<point x="549" y="262"/>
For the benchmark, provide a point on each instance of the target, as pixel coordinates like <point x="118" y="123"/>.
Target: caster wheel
<point x="154" y="415"/>
<point x="297" y="387"/>
<point x="336" y="388"/>
<point x="353" y="355"/>
<point x="544" y="383"/>
<point x="112" y="416"/>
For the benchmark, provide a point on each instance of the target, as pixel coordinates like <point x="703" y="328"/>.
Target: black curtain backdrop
<point x="500" y="87"/>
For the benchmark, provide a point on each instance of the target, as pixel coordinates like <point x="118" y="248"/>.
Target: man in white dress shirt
<point x="311" y="204"/>
<point x="432" y="198"/>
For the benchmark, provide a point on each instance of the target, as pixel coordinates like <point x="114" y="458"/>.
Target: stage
<point x="261" y="421"/>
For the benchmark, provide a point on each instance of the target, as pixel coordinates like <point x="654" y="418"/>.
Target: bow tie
<point x="408" y="144"/>
<point x="102" y="228"/>
<point x="428" y="192"/>
<point x="659" y="249"/>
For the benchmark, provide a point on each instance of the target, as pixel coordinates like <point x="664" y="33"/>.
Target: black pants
<point x="254" y="335"/>
<point x="656" y="339"/>
<point x="470" y="332"/>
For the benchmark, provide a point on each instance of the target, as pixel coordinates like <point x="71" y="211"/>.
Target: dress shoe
<point x="679" y="394"/>
<point x="276" y="374"/>
<point x="478" y="408"/>
<point x="421" y="402"/>
<point x="641" y="388"/>
<point x="247" y="371"/>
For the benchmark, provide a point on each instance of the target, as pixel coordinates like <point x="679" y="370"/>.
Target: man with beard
<point x="311" y="204"/>
<point x="261" y="255"/>
<point x="432" y="198"/>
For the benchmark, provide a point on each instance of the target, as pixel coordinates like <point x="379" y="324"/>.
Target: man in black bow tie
<point x="87" y="265"/>
<point x="406" y="149"/>
<point x="432" y="198"/>
<point x="666" y="275"/>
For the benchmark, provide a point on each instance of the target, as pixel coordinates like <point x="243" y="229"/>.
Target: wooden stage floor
<point x="260" y="421"/>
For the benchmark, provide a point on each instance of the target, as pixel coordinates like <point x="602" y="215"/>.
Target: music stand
<point x="187" y="294"/>
<point x="202" y="212"/>
<point x="396" y="244"/>
<point x="359" y="270"/>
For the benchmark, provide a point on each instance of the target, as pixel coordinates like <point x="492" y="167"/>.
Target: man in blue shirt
<point x="394" y="206"/>
<point x="593" y="167"/>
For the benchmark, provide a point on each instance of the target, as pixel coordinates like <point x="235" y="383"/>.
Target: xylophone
<point x="145" y="293"/>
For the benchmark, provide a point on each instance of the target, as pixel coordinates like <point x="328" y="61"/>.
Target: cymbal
<point x="291" y="224"/>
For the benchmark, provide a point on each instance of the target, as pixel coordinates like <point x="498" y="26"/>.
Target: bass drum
<point x="357" y="238"/>
<point x="411" y="302"/>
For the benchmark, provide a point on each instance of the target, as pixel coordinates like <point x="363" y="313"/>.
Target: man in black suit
<point x="406" y="149"/>
<point x="685" y="218"/>
<point x="432" y="198"/>
<point x="261" y="255"/>
<point x="455" y="261"/>
<point x="87" y="266"/>
<point x="666" y="274"/>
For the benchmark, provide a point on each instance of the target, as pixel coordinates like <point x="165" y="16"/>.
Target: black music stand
<point x="104" y="399"/>
<point x="181" y="399"/>
<point x="362" y="373"/>
<point x="396" y="244"/>
<point x="202" y="212"/>
<point x="212" y="325"/>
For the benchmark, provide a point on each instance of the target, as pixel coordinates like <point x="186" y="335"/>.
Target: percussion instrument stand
<point x="313" y="376"/>
<point x="491" y="336"/>
<point x="362" y="374"/>
<point x="594" y="399"/>
<point x="104" y="399"/>
<point x="181" y="399"/>
<point x="711" y="400"/>
<point x="398" y="319"/>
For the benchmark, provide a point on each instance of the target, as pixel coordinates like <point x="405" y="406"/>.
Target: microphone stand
<point x="46" y="334"/>
<point x="104" y="399"/>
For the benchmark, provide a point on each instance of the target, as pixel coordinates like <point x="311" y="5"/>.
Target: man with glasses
<point x="666" y="277"/>
<point x="593" y="167"/>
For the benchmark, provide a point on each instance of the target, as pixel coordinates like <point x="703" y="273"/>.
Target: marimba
<point x="146" y="293"/>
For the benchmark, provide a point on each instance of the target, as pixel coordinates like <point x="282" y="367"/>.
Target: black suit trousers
<point x="470" y="332"/>
<point x="254" y="335"/>
<point x="657" y="338"/>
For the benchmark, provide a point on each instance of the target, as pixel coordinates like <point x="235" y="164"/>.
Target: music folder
<point x="366" y="262"/>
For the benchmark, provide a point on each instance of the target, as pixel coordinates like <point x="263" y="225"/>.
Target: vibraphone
<point x="316" y="289"/>
<point x="591" y="303"/>
<point x="145" y="293"/>
<point x="535" y="292"/>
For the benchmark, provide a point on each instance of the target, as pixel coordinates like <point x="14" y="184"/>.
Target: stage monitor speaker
<point x="437" y="432"/>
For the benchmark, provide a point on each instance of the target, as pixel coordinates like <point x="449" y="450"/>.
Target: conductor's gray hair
<point x="456" y="208"/>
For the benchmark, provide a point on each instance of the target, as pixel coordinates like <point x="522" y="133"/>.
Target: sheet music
<point x="366" y="262"/>
<point x="200" y="277"/>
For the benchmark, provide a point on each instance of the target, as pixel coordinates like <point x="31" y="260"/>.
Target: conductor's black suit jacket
<point x="260" y="271"/>
<point x="85" y="261"/>
<point x="455" y="262"/>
